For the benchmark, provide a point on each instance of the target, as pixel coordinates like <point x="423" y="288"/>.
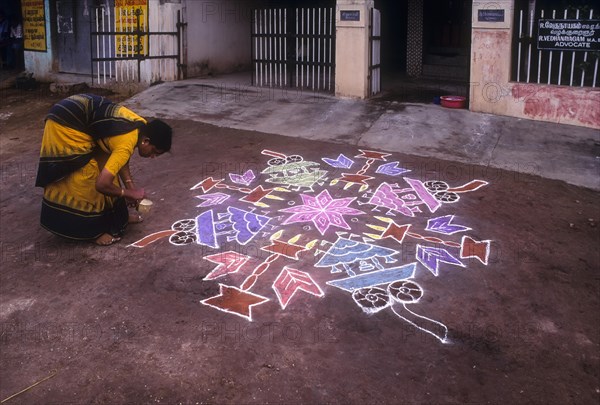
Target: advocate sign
<point x="569" y="35"/>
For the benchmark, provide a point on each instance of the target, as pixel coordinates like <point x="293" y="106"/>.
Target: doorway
<point x="425" y="48"/>
<point x="71" y="27"/>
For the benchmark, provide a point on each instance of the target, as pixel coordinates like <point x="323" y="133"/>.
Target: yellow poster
<point x="34" y="25"/>
<point x="127" y="14"/>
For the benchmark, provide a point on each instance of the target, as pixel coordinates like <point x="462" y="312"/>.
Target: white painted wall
<point x="218" y="35"/>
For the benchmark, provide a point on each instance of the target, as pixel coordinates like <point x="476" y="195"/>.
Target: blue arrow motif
<point x="212" y="199"/>
<point x="391" y="169"/>
<point x="431" y="257"/>
<point x="445" y="226"/>
<point x="341" y="162"/>
<point x="244" y="179"/>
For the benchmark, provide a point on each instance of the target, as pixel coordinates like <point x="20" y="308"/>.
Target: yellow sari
<point x="72" y="207"/>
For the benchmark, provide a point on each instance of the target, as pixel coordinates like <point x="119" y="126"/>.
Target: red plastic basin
<point x="453" y="101"/>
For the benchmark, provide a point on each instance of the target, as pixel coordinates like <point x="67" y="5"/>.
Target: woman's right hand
<point x="135" y="194"/>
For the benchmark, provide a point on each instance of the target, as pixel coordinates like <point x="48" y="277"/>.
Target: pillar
<point x="414" y="50"/>
<point x="352" y="48"/>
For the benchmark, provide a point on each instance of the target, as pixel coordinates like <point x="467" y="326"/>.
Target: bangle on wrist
<point x="129" y="181"/>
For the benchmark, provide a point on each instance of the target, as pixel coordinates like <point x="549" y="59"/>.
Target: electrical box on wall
<point x="492" y="14"/>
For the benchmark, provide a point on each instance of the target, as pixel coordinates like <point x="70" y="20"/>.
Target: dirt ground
<point x="123" y="324"/>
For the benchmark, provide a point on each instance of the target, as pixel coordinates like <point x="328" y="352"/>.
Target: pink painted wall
<point x="493" y="92"/>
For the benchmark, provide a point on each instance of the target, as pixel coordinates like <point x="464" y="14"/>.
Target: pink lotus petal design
<point x="323" y="211"/>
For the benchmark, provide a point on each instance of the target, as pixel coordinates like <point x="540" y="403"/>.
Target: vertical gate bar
<point x="573" y="56"/>
<point x="97" y="47"/>
<point x="139" y="47"/>
<point x="560" y="65"/>
<point x="550" y="61"/>
<point x="330" y="45"/>
<point x="265" y="67"/>
<point x="595" y="73"/>
<point x="285" y="50"/>
<point x="313" y="48"/>
<point x="309" y="66"/>
<point x="319" y="51"/>
<point x="179" y="28"/>
<point x="530" y="26"/>
<point x="280" y="45"/>
<point x="275" y="47"/>
<point x="296" y="51"/>
<point x="299" y="51"/>
<point x="259" y="48"/>
<point x="540" y="57"/>
<point x="519" y="47"/>
<point x="110" y="42"/>
<point x="266" y="49"/>
<point x="585" y="54"/>
<point x="302" y="46"/>
<point x="270" y="42"/>
<point x="125" y="29"/>
<point x="92" y="47"/>
<point x="309" y="48"/>
<point x="253" y="46"/>
<point x="103" y="48"/>
<point x="260" y="51"/>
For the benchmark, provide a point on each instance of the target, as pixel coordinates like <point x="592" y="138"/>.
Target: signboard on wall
<point x="34" y="25"/>
<point x="569" y="35"/>
<point x="350" y="15"/>
<point x="127" y="14"/>
<point x="489" y="15"/>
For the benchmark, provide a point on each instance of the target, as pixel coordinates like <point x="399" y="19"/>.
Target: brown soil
<point x="125" y="325"/>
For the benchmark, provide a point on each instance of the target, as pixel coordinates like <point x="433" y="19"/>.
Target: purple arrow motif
<point x="431" y="257"/>
<point x="444" y="225"/>
<point x="341" y="162"/>
<point x="244" y="179"/>
<point x="391" y="169"/>
<point x="212" y="199"/>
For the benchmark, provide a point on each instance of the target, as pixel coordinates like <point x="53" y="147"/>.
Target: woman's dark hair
<point x="159" y="133"/>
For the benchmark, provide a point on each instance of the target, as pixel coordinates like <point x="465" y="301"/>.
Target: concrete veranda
<point x="553" y="151"/>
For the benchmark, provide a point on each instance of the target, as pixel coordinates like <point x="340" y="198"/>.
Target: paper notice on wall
<point x="34" y="25"/>
<point x="131" y="16"/>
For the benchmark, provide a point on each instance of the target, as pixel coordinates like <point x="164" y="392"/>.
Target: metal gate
<point x="375" y="52"/>
<point x="294" y="48"/>
<point x="121" y="44"/>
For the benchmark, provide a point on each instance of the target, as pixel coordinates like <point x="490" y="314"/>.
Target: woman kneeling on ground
<point x="84" y="167"/>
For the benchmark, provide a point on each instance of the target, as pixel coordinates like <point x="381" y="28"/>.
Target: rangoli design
<point x="352" y="229"/>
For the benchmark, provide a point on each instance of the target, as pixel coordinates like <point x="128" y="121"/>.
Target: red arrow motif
<point x="284" y="249"/>
<point x="355" y="178"/>
<point x="470" y="186"/>
<point x="235" y="301"/>
<point x="228" y="262"/>
<point x="369" y="154"/>
<point x="256" y="195"/>
<point x="396" y="232"/>
<point x="474" y="248"/>
<point x="290" y="281"/>
<point x="142" y="243"/>
<point x="206" y="184"/>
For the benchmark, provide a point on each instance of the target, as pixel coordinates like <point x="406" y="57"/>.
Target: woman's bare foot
<point x="106" y="240"/>
<point x="135" y="218"/>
